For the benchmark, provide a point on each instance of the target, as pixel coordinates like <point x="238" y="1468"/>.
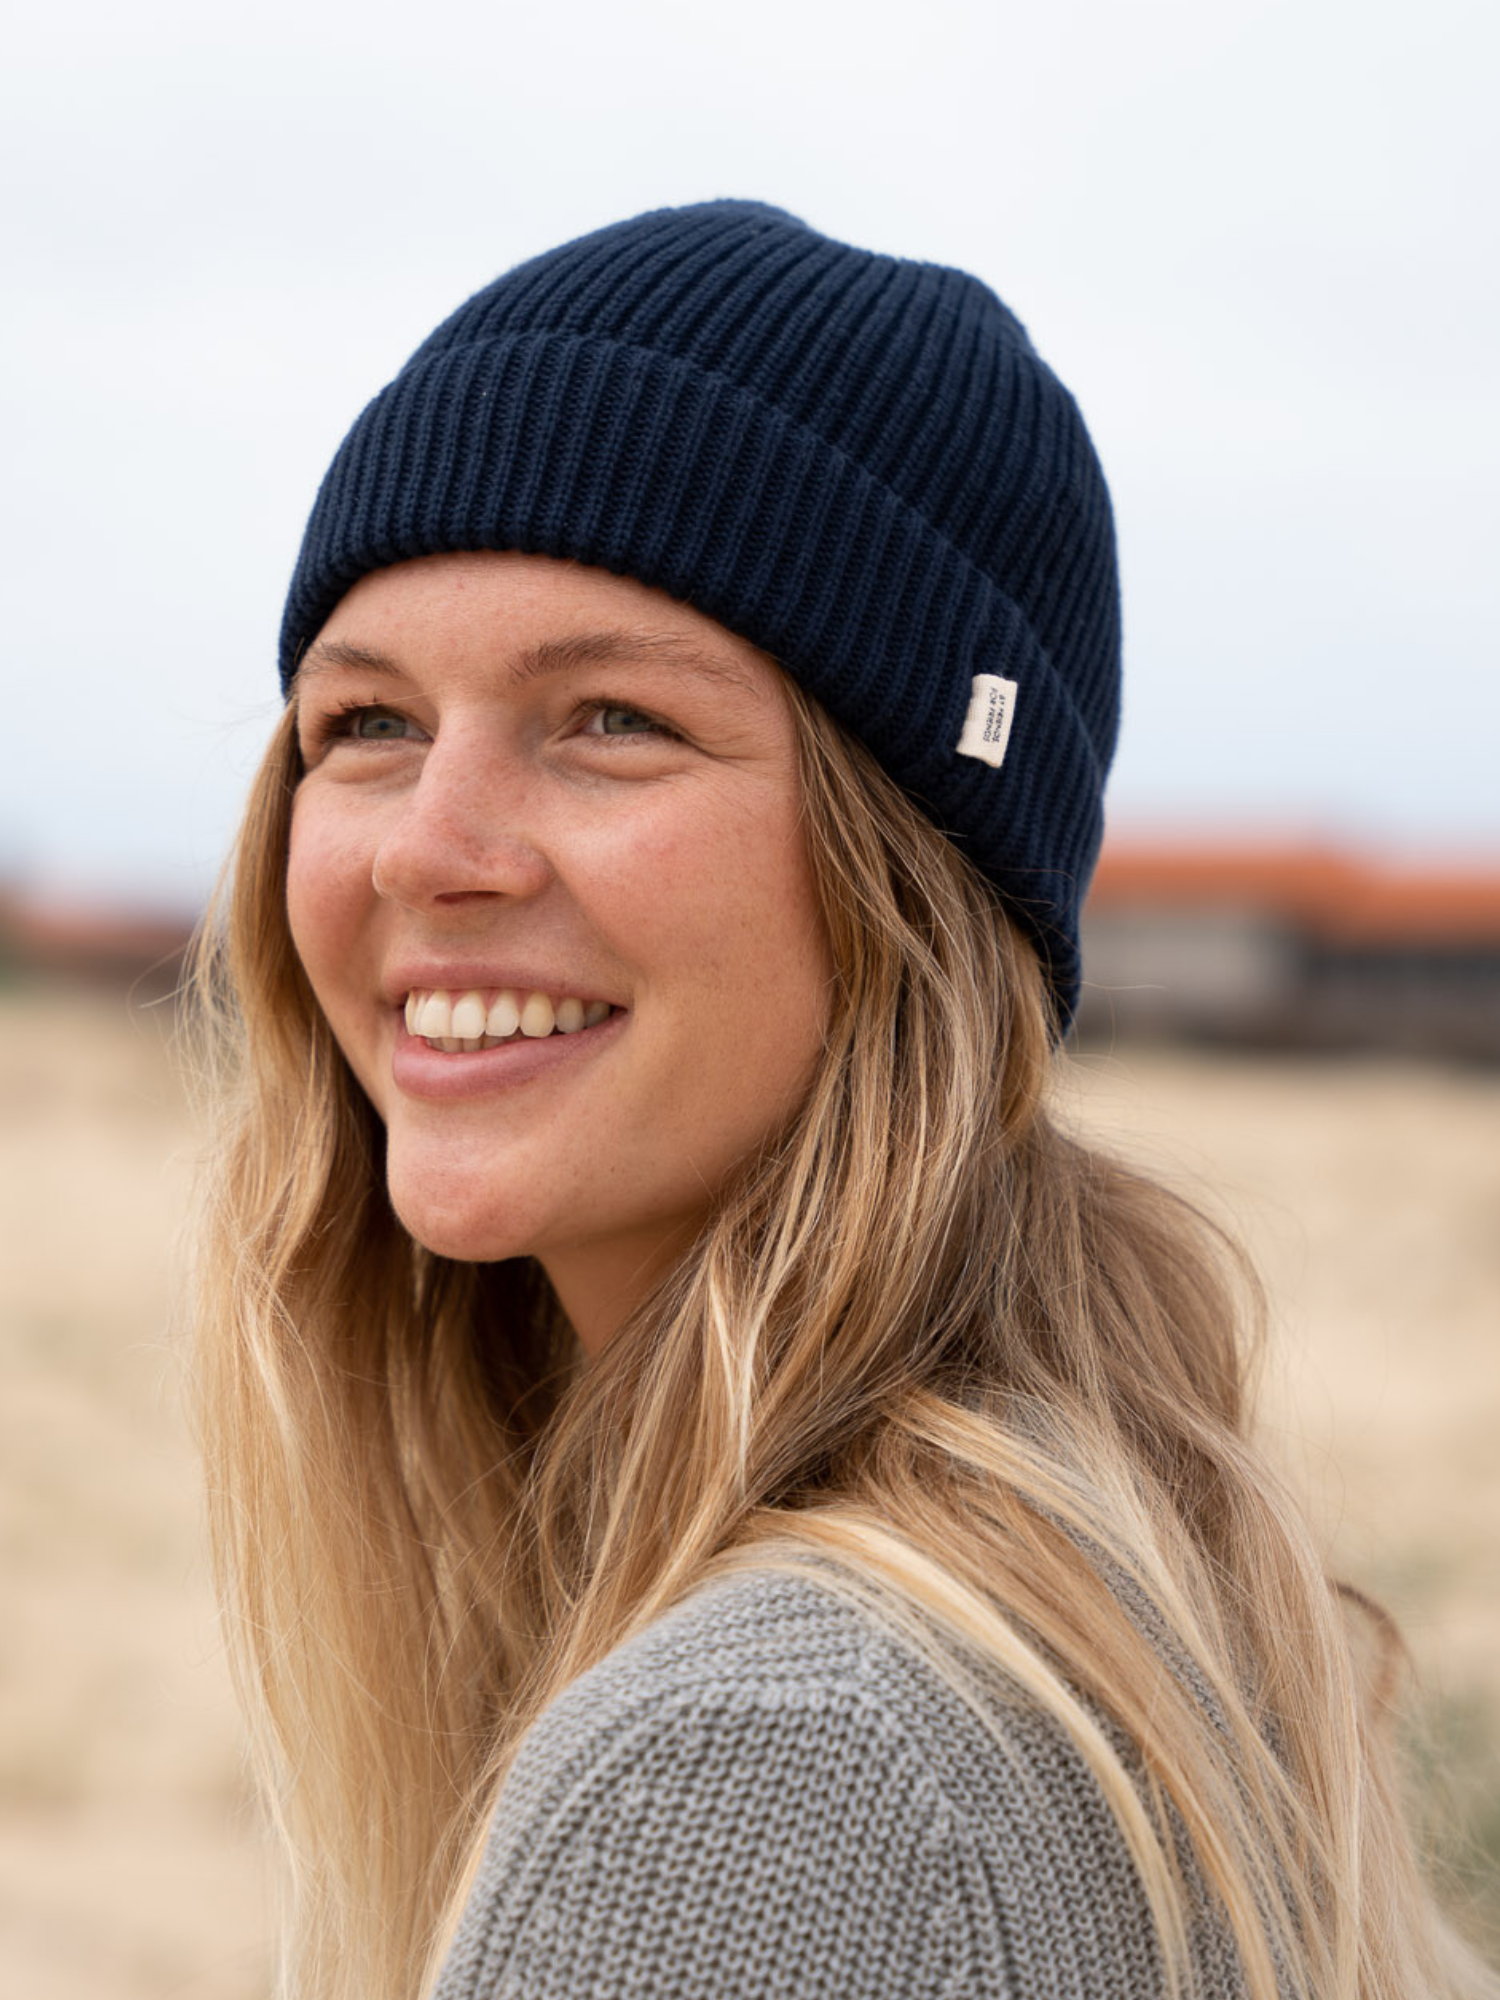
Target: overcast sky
<point x="1258" y="241"/>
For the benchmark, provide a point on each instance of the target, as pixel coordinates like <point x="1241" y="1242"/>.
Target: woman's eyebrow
<point x="550" y="656"/>
<point x="324" y="654"/>
<point x="586" y="649"/>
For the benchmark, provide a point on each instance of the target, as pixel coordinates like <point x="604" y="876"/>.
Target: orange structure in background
<point x="1337" y="893"/>
<point x="90" y="944"/>
<point x="1292" y="944"/>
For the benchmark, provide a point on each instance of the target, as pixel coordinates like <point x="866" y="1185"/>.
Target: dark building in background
<point x="1292" y="947"/>
<point x="47" y="940"/>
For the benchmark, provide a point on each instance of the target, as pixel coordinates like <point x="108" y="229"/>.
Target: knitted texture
<point x="767" y="1794"/>
<point x="857" y="462"/>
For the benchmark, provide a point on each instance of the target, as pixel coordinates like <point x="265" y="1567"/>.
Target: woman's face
<point x="537" y="789"/>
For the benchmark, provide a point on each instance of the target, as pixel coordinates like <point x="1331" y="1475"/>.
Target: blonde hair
<point x="975" y="1373"/>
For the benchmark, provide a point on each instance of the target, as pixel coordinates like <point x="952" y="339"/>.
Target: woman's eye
<point x="611" y="719"/>
<point x="323" y="730"/>
<point x="377" y="725"/>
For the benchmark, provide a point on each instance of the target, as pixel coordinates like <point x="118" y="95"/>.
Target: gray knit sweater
<point x="766" y="1793"/>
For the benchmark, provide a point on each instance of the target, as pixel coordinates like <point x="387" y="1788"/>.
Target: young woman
<point x="716" y="1493"/>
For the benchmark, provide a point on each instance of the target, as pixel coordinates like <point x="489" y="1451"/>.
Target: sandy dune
<point x="130" y="1863"/>
<point x="1369" y="1195"/>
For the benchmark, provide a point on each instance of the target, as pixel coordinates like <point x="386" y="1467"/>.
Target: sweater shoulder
<point x="762" y="1641"/>
<point x="769" y="1791"/>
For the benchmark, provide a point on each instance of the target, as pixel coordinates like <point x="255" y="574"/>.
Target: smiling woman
<point x="599" y="871"/>
<point x="715" y="1493"/>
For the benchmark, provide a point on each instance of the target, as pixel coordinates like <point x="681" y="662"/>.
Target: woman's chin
<point x="451" y="1222"/>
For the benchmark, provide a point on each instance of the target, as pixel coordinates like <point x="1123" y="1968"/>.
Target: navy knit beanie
<point x="858" y="463"/>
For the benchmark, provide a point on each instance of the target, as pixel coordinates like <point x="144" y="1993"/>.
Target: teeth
<point x="462" y="1023"/>
<point x="435" y="1017"/>
<point x="469" y="1016"/>
<point x="504" y="1016"/>
<point x="537" y="1016"/>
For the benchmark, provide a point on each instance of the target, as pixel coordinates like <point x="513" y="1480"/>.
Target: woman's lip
<point x="419" y="1070"/>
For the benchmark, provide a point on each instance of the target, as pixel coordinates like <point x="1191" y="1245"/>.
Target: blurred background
<point x="1257" y="240"/>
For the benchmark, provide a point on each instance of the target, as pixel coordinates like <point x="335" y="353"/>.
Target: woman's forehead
<point x="537" y="614"/>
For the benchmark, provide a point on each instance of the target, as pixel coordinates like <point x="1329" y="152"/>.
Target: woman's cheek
<point x="328" y="904"/>
<point x="328" y="878"/>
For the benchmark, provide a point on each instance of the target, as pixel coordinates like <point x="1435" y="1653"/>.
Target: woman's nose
<point x="465" y="829"/>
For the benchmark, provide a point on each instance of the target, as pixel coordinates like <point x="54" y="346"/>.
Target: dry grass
<point x="130" y="1864"/>
<point x="129" y="1857"/>
<point x="1369" y="1194"/>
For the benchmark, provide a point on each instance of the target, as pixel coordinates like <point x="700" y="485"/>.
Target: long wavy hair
<point x="975" y="1372"/>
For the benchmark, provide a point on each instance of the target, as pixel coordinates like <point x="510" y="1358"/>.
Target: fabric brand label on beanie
<point x="992" y="709"/>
